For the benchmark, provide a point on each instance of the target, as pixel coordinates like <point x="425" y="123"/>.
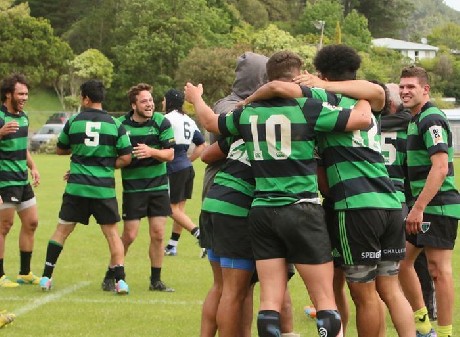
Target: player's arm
<point x="63" y="152"/>
<point x="274" y="89"/>
<point x="33" y="169"/>
<point x="123" y="160"/>
<point x="212" y="153"/>
<point x="360" y="117"/>
<point x="359" y="89"/>
<point x="142" y="151"/>
<point x="436" y="176"/>
<point x="207" y="117"/>
<point x="197" y="152"/>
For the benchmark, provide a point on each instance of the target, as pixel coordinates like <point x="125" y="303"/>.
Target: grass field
<point x="77" y="307"/>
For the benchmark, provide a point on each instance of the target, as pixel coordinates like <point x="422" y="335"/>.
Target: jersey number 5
<point x="92" y="133"/>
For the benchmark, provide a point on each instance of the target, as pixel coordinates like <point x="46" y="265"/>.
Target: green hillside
<point x="42" y="104"/>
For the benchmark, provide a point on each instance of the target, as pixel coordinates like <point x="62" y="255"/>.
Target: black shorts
<point x="295" y="232"/>
<point x="79" y="209"/>
<point x="138" y="205"/>
<point x="206" y="230"/>
<point x="441" y="233"/>
<point x="181" y="185"/>
<point x="367" y="236"/>
<point x="329" y="218"/>
<point x="231" y="236"/>
<point x="17" y="194"/>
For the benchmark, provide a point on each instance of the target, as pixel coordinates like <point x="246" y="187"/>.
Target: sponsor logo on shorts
<point x="371" y="255"/>
<point x="394" y="251"/>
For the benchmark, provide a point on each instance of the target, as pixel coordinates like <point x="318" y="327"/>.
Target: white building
<point x="414" y="51"/>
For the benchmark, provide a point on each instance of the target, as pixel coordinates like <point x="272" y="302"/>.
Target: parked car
<point x="59" y="118"/>
<point x="44" y="135"/>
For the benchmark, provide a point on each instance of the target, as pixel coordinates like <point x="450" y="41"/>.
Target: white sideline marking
<point x="115" y="299"/>
<point x="50" y="298"/>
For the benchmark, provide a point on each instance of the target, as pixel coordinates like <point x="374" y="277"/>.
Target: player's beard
<point x="142" y="114"/>
<point x="17" y="105"/>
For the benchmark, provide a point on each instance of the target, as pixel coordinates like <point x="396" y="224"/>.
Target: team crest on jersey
<point x="425" y="226"/>
<point x="436" y="134"/>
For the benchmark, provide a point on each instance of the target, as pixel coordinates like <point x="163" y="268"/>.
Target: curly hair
<point x="9" y="84"/>
<point x="337" y="62"/>
<point x="135" y="90"/>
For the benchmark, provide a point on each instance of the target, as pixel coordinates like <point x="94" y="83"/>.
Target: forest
<point x="59" y="44"/>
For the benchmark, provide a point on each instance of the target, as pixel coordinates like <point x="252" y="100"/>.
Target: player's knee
<point x="31" y="225"/>
<point x="128" y="238"/>
<point x="328" y="323"/>
<point x="5" y="226"/>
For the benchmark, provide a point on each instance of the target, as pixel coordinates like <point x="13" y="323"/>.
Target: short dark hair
<point x="282" y="65"/>
<point x="94" y="90"/>
<point x="414" y="71"/>
<point x="337" y="62"/>
<point x="9" y="84"/>
<point x="135" y="90"/>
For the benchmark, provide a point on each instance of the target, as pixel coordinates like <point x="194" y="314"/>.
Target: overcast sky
<point x="455" y="4"/>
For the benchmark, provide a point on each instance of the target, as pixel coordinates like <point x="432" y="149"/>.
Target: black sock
<point x="110" y="273"/>
<point x="25" y="262"/>
<point x="119" y="272"/>
<point x="268" y="323"/>
<point x="328" y="322"/>
<point x="196" y="232"/>
<point x="2" y="272"/>
<point x="155" y="274"/>
<point x="52" y="255"/>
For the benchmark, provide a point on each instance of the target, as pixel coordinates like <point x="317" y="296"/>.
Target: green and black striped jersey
<point x="280" y="140"/>
<point x="429" y="133"/>
<point x="13" y="150"/>
<point x="355" y="168"/>
<point x="95" y="139"/>
<point x="232" y="191"/>
<point x="149" y="174"/>
<point x="394" y="144"/>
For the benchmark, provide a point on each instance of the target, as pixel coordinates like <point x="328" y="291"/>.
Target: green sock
<point x="422" y="321"/>
<point x="444" y="330"/>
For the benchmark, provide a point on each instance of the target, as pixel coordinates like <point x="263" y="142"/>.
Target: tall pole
<point x="322" y="23"/>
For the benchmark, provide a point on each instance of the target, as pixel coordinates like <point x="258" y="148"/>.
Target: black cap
<point x="174" y="100"/>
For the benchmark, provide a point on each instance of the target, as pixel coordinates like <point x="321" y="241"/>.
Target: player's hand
<point x="35" y="177"/>
<point x="241" y="104"/>
<point x="66" y="176"/>
<point x="414" y="221"/>
<point x="309" y="80"/>
<point x="142" y="151"/>
<point x="193" y="92"/>
<point x="8" y="128"/>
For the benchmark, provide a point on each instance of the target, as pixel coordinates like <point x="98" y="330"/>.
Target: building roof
<point x="401" y="45"/>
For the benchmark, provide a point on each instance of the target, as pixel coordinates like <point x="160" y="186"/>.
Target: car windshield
<point x="50" y="130"/>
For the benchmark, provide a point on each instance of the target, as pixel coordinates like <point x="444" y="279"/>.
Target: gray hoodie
<point x="250" y="74"/>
